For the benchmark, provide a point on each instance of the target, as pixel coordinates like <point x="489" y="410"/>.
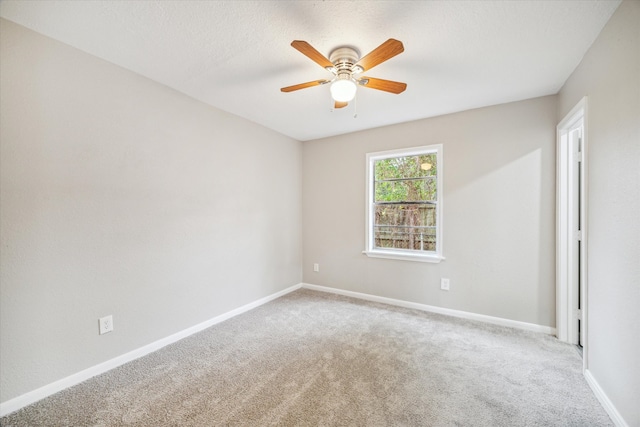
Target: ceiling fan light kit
<point x="343" y="89"/>
<point x="345" y="63"/>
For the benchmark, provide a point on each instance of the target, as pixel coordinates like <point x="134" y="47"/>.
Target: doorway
<point x="571" y="233"/>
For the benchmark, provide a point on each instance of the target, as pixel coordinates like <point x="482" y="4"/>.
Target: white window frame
<point x="403" y="254"/>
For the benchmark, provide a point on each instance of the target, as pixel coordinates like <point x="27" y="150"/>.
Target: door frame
<point x="566" y="283"/>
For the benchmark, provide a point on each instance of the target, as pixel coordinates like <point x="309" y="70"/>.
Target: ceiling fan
<point x="346" y="65"/>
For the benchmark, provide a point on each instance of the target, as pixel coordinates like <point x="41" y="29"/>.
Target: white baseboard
<point x="433" y="309"/>
<point x="33" y="396"/>
<point x="604" y="400"/>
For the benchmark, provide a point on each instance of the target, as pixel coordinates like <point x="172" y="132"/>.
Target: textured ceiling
<point x="236" y="55"/>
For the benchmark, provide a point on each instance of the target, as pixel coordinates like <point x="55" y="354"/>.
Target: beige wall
<point x="610" y="76"/>
<point x="121" y="196"/>
<point x="499" y="207"/>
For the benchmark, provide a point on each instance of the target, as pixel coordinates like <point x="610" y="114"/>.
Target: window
<point x="404" y="204"/>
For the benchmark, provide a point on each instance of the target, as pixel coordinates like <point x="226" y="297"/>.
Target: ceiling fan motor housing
<point x="343" y="59"/>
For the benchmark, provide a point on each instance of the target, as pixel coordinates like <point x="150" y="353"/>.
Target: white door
<point x="571" y="232"/>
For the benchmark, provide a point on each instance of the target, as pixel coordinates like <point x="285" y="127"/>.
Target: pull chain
<point x="355" y="106"/>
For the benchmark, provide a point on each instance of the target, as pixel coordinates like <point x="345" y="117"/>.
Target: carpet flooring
<point x="317" y="359"/>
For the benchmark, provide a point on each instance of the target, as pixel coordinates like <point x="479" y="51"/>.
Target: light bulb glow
<point x="343" y="90"/>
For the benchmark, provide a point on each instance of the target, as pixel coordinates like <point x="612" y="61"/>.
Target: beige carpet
<point x="315" y="359"/>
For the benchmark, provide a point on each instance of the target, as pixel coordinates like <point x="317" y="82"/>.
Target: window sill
<point x="404" y="256"/>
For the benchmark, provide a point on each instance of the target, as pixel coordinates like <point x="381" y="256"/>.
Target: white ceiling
<point x="236" y="55"/>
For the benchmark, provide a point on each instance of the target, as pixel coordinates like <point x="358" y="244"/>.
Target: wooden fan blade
<point x="380" y="84"/>
<point x="385" y="51"/>
<point x="339" y="104"/>
<point x="311" y="53"/>
<point x="304" y="85"/>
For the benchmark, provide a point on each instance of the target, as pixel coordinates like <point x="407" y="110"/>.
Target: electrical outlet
<point x="316" y="267"/>
<point x="106" y="324"/>
<point x="444" y="284"/>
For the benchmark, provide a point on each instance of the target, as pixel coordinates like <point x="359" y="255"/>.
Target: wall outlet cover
<point x="106" y="324"/>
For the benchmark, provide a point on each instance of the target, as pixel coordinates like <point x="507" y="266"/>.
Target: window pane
<point x="405" y="227"/>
